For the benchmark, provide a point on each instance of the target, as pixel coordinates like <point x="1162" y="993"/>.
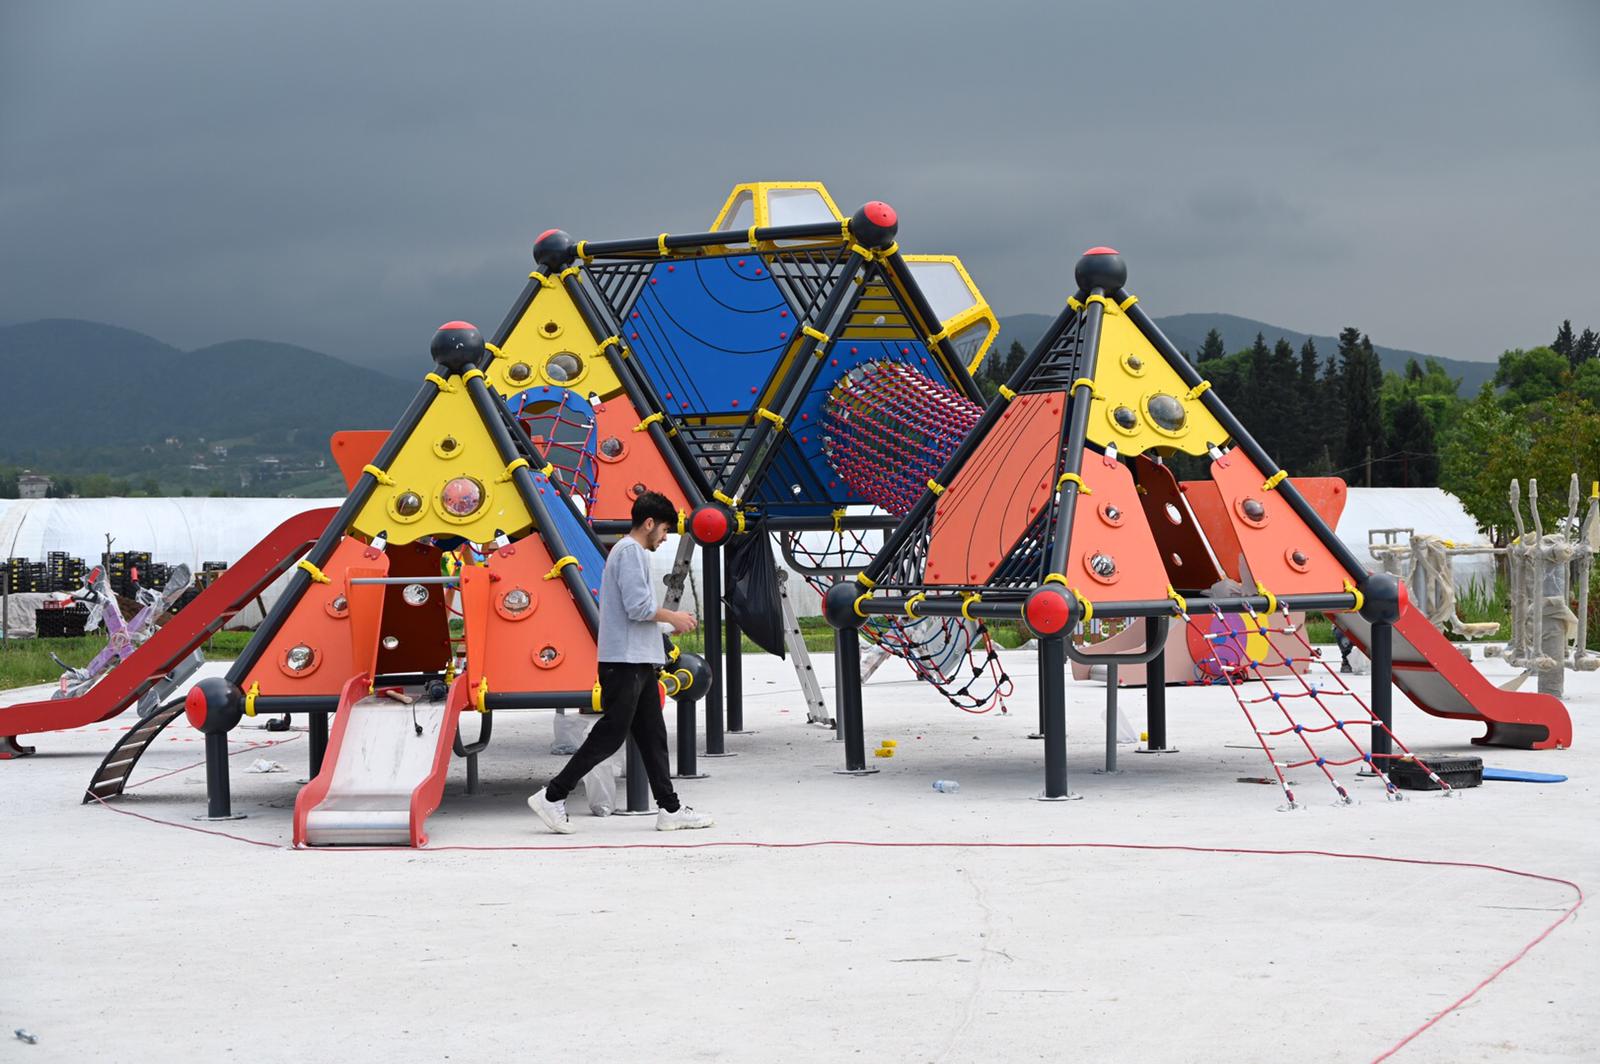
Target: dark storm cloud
<point x="347" y="176"/>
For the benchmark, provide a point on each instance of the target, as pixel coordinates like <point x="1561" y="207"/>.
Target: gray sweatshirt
<point x="627" y="607"/>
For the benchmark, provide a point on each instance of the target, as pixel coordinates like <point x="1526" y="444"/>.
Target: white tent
<point x="1427" y="511"/>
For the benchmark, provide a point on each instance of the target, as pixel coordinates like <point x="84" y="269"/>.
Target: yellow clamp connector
<point x="482" y="701"/>
<point x="1275" y="479"/>
<point x="1007" y="394"/>
<point x="837" y="514"/>
<point x="776" y="419"/>
<point x="1272" y="600"/>
<point x="316" y="574"/>
<point x="725" y="499"/>
<point x="1073" y="478"/>
<point x="1361" y="600"/>
<point x="661" y="245"/>
<point x="856" y="605"/>
<point x="864" y="580"/>
<point x="439" y="382"/>
<point x="493" y="350"/>
<point x="610" y="341"/>
<point x="911" y="604"/>
<point x="561" y="563"/>
<point x="1086" y="382"/>
<point x="250" y="699"/>
<point x="649" y="420"/>
<point x="1198" y="390"/>
<point x="935" y="487"/>
<point x="511" y="469"/>
<point x="816" y="334"/>
<point x="379" y="475"/>
<point x="967" y="599"/>
<point x="1183" y="603"/>
<point x="1126" y="303"/>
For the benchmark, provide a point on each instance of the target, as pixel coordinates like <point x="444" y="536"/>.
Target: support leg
<point x="711" y="624"/>
<point x="1155" y="706"/>
<point x="687" y="769"/>
<point x="733" y="677"/>
<point x="1053" y="699"/>
<point x="847" y="648"/>
<point x="1382" y="688"/>
<point x="219" y="793"/>
<point x="317" y="732"/>
<point x="1111" y="719"/>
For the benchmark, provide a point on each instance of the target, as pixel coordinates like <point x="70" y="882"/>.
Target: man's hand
<point x="681" y="622"/>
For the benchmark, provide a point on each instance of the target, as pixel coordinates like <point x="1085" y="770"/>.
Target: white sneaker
<point x="554" y="814"/>
<point x="684" y="819"/>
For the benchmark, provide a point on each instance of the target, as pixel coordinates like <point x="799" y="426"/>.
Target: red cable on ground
<point x="244" y="750"/>
<point x="867" y="844"/>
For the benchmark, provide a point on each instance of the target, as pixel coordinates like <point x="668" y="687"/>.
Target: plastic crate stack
<point x="27" y="576"/>
<point x="120" y="569"/>
<point x="63" y="571"/>
<point x="58" y="622"/>
<point x="209" y="571"/>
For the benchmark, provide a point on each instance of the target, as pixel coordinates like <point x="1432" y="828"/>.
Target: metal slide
<point x="172" y="646"/>
<point x="384" y="771"/>
<point x="1435" y="676"/>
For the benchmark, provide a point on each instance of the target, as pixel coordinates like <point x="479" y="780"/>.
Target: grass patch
<point x="24" y="662"/>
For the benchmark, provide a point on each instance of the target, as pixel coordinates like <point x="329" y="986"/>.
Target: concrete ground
<point x="976" y="926"/>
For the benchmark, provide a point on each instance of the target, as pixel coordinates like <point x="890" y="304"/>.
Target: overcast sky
<point x="346" y="176"/>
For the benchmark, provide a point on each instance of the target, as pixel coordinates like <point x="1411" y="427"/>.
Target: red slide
<point x="174" y="641"/>
<point x="1435" y="676"/>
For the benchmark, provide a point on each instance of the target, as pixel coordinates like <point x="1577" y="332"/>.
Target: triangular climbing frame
<point x="457" y="468"/>
<point x="1063" y="483"/>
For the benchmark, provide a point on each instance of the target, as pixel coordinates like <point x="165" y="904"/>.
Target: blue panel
<point x="562" y="426"/>
<point x="801" y="461"/>
<point x="709" y="332"/>
<point x="574" y="535"/>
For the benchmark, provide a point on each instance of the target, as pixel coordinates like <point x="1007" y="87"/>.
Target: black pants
<point x="630" y="703"/>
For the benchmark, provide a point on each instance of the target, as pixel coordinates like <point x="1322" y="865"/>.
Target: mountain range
<point x="1188" y="332"/>
<point x="254" y="416"/>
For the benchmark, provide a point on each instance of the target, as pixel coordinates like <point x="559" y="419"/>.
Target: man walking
<point x="630" y="655"/>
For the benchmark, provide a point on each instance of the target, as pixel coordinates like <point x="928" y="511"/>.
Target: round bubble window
<point x="516" y="600"/>
<point x="611" y="447"/>
<point x="299" y="658"/>
<point x="1127" y="420"/>
<point x="1102" y="565"/>
<point x="408" y="504"/>
<point x="415" y="594"/>
<point x="1167" y="412"/>
<point x="519" y="373"/>
<point x="1254" y="511"/>
<point x="462" y="497"/>
<point x="563" y="367"/>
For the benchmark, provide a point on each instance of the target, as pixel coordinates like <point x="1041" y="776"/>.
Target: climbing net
<point x="1237" y="657"/>
<point x="956" y="656"/>
<point x="563" y="430"/>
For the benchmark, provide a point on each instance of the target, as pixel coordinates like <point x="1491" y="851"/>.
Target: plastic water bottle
<point x="946" y="786"/>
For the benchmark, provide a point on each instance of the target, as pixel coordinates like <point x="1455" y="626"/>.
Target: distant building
<point x="219" y="450"/>
<point x="32" y="485"/>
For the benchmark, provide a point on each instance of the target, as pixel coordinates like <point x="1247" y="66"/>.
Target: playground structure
<point x="1424" y="562"/>
<point x="742" y="372"/>
<point x="1058" y="507"/>
<point x="1547" y="636"/>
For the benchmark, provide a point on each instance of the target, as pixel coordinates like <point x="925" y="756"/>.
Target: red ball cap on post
<point x="875" y="225"/>
<point x="1102" y="268"/>
<point x="554" y="250"/>
<point x="710" y="525"/>
<point x="1048" y="611"/>
<point x="457" y="345"/>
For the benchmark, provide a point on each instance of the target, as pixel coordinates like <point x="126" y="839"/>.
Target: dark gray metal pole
<point x="1053" y="701"/>
<point x="638" y="782"/>
<point x="1155" y="702"/>
<point x="733" y="677"/>
<point x="1111" y="718"/>
<point x="687" y="768"/>
<point x="847" y="645"/>
<point x="317" y="732"/>
<point x="219" y="796"/>
<point x="1382" y="687"/>
<point x="711" y="624"/>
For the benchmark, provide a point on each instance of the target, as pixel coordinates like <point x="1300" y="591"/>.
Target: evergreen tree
<point x="1415" y="463"/>
<point x="1283" y="375"/>
<point x="1362" y="382"/>
<point x="1586" y="348"/>
<point x="1213" y="347"/>
<point x="1564" y="343"/>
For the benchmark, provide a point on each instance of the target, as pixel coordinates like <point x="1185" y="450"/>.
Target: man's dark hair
<point x="653" y="504"/>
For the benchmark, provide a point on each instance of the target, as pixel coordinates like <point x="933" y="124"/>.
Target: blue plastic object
<point x="1511" y="775"/>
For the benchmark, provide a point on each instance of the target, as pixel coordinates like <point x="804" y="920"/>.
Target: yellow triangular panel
<point x="1140" y="402"/>
<point x="764" y="203"/>
<point x="552" y="345"/>
<point x="447" y="480"/>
